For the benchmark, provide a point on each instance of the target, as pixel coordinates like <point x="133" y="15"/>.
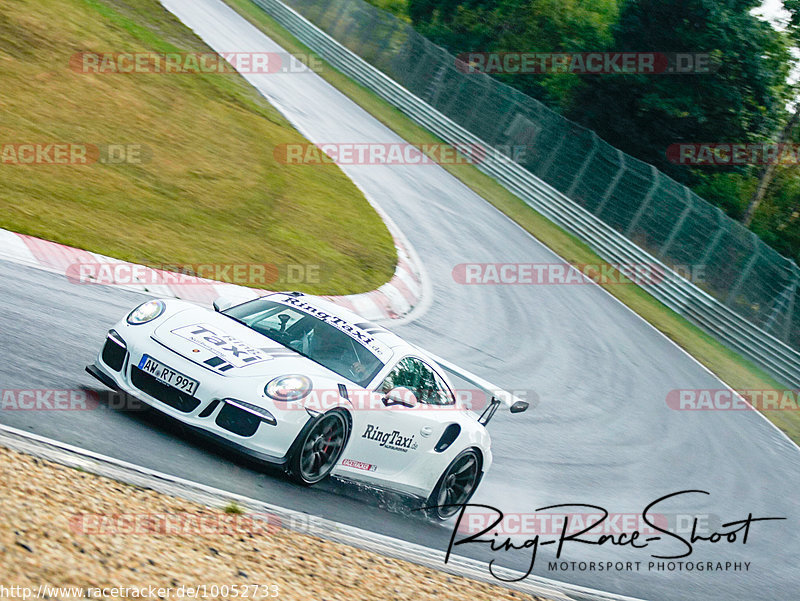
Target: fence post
<point x="645" y="203"/>
<point x="477" y="104"/>
<point x="434" y="87"/>
<point x="448" y="111"/>
<point x="553" y="152"/>
<point x="745" y="273"/>
<point x="583" y="167"/>
<point x="678" y="225"/>
<point x="712" y="246"/>
<point x="787" y="328"/>
<point x="612" y="186"/>
<point x="502" y="122"/>
<point x="786" y="297"/>
<point x="414" y="37"/>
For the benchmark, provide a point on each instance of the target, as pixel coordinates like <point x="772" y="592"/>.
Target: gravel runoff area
<point x="62" y="527"/>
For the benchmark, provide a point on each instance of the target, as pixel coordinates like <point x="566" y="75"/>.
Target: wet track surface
<point x="601" y="433"/>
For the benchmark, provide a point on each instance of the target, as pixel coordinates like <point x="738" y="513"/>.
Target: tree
<point x="519" y="26"/>
<point x="742" y="101"/>
<point x="768" y="171"/>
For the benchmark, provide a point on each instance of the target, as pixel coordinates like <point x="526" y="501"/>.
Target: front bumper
<point x="207" y="412"/>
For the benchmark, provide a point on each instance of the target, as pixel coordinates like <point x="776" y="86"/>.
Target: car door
<point x="388" y="439"/>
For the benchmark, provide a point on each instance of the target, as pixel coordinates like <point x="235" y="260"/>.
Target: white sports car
<point x="300" y="382"/>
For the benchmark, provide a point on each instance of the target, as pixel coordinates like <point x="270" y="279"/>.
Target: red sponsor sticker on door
<point x="359" y="465"/>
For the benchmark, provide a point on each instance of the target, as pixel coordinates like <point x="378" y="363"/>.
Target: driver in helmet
<point x="326" y="347"/>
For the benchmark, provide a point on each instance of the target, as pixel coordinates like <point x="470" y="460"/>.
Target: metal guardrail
<point x="674" y="291"/>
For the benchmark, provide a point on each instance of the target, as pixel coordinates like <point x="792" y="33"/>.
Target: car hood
<point x="229" y="348"/>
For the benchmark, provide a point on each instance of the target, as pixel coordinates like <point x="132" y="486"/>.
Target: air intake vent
<point x="114" y="351"/>
<point x="451" y="432"/>
<point x="237" y="420"/>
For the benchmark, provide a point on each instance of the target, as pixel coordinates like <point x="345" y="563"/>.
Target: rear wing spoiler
<point x="498" y="395"/>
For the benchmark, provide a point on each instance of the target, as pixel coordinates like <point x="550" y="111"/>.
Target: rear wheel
<point x="456" y="486"/>
<point x="319" y="447"/>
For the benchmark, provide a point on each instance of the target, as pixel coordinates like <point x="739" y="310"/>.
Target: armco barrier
<point x="675" y="292"/>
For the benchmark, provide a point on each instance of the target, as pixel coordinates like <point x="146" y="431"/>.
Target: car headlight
<point x="288" y="388"/>
<point x="146" y="312"/>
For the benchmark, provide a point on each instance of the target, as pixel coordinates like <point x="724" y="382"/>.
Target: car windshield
<point x="311" y="337"/>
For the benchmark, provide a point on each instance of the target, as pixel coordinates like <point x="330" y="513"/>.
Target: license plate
<point x="167" y="375"/>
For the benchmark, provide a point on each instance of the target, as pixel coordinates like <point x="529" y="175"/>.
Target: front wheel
<point x="318" y="448"/>
<point x="456" y="486"/>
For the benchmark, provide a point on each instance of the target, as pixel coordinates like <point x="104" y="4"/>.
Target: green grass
<point x="729" y="366"/>
<point x="212" y="192"/>
<point x="234" y="508"/>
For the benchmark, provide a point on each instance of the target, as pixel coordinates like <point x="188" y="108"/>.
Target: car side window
<point x="414" y="374"/>
<point x="445" y="394"/>
<point x="401" y="375"/>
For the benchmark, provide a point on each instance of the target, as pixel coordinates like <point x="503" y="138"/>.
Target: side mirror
<point x="518" y="407"/>
<point x="400" y="396"/>
<point x="224" y="302"/>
